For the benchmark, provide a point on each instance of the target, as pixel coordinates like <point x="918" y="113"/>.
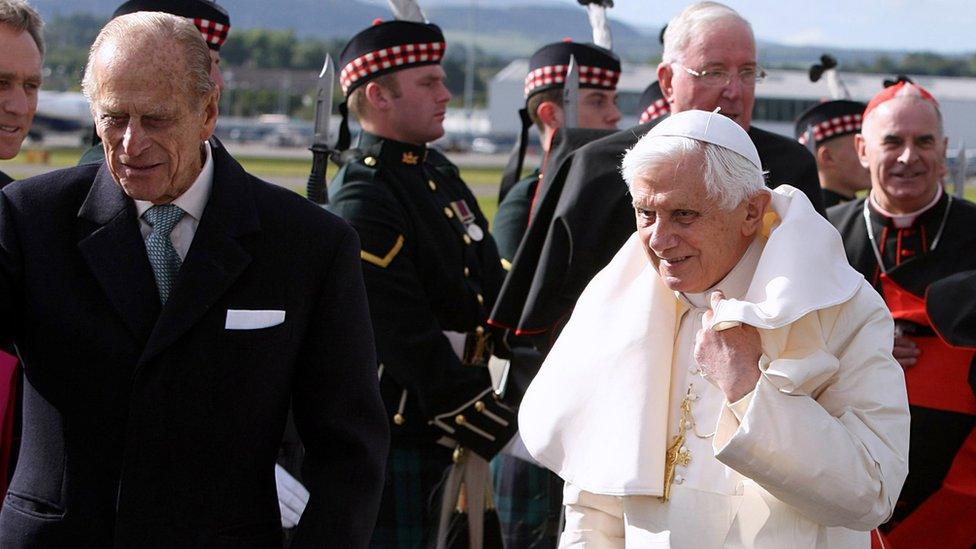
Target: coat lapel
<point x="216" y="258"/>
<point x="116" y="254"/>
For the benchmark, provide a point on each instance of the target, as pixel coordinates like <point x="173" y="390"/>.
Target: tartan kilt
<point x="410" y="505"/>
<point x="529" y="501"/>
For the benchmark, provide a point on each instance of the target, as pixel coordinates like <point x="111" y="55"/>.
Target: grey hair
<point x="691" y="22"/>
<point x="19" y="16"/>
<point x="729" y="177"/>
<point x="135" y="30"/>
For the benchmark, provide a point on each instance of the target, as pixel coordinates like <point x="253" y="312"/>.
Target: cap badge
<point x="410" y="159"/>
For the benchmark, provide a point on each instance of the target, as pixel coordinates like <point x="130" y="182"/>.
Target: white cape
<point x="596" y="413"/>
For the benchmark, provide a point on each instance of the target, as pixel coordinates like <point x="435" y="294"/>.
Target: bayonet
<point x="571" y="95"/>
<point x="320" y="143"/>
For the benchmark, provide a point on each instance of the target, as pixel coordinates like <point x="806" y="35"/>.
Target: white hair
<point x="729" y="177"/>
<point x="692" y="22"/>
<point x="135" y="30"/>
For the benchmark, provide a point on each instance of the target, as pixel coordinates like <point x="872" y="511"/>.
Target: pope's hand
<point x="729" y="358"/>
<point x="292" y="497"/>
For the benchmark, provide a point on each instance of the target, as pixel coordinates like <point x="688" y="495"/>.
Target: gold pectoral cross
<point x="677" y="453"/>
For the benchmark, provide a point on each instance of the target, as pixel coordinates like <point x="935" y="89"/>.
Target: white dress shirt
<point x="192" y="201"/>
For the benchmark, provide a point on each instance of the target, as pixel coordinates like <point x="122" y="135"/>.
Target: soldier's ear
<point x="550" y="114"/>
<point x="377" y="96"/>
<point x="824" y="156"/>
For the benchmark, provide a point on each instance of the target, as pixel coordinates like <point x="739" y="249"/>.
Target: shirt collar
<point x="901" y="221"/>
<point x="736" y="283"/>
<point x="194" y="199"/>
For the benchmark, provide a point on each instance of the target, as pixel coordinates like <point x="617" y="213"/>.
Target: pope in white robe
<point x="727" y="380"/>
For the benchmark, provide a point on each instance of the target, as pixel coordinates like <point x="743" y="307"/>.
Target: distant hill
<point x="505" y="29"/>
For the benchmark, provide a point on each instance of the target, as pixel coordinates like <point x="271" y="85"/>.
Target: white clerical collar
<point x="736" y="282"/>
<point x="194" y="199"/>
<point x="901" y="221"/>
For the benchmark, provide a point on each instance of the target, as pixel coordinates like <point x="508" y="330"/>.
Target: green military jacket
<point x="430" y="267"/>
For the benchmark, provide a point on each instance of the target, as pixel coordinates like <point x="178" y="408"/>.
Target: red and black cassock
<point x="926" y="273"/>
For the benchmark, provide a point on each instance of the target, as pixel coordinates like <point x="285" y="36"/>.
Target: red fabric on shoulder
<point x="8" y="406"/>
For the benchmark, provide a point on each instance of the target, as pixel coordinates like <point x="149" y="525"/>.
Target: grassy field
<point x="293" y="168"/>
<point x="260" y="166"/>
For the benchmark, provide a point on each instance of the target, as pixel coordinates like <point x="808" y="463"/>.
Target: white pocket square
<point x="242" y="319"/>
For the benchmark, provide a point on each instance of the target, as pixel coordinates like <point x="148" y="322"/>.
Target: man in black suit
<point x="168" y="307"/>
<point x="20" y="73"/>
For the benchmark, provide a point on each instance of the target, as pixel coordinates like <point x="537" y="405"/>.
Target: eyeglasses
<point x="721" y="78"/>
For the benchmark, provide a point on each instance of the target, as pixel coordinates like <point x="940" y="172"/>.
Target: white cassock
<point x="814" y="456"/>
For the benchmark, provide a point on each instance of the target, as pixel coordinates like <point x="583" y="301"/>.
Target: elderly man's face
<point x="20" y="80"/>
<point x="725" y="45"/>
<point x="690" y="240"/>
<point x="903" y="147"/>
<point x="152" y="133"/>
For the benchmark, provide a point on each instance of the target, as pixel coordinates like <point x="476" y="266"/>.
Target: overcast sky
<point x="931" y="25"/>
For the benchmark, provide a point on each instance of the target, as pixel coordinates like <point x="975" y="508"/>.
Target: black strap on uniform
<point x="345" y="138"/>
<point x="513" y="170"/>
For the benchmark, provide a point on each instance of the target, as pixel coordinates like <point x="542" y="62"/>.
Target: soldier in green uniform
<point x="529" y="497"/>
<point x="432" y="272"/>
<point x="599" y="72"/>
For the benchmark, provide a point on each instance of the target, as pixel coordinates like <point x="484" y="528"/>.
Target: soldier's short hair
<point x="166" y="28"/>
<point x="554" y="96"/>
<point x="359" y="106"/>
<point x="19" y="16"/>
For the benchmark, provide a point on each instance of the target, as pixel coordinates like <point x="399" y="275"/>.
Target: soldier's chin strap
<point x="513" y="170"/>
<point x="345" y="138"/>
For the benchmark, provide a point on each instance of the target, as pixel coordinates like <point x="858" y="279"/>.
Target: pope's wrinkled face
<point x="20" y="81"/>
<point x="691" y="241"/>
<point x="151" y="129"/>
<point x="902" y="145"/>
<point x="726" y="46"/>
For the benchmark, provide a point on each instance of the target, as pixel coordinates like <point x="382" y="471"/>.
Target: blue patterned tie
<point x="162" y="255"/>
